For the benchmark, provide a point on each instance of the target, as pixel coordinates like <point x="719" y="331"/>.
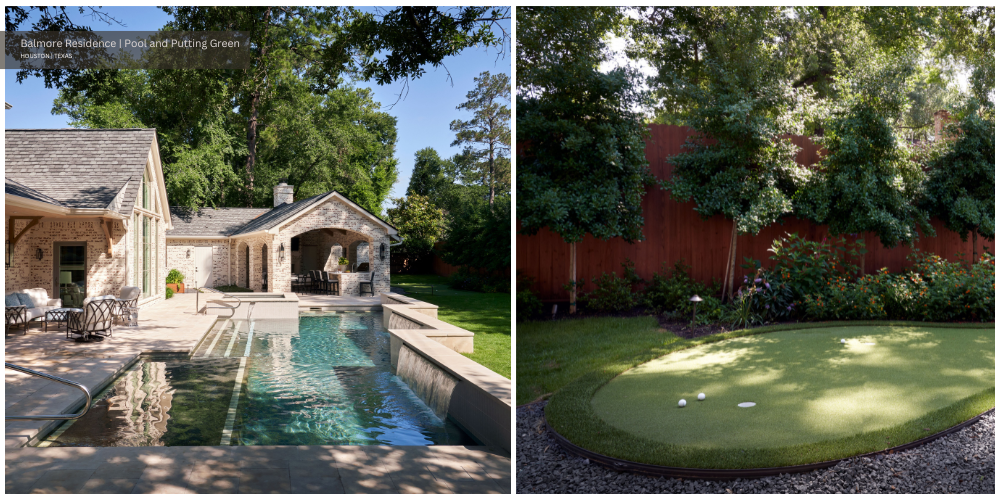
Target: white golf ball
<point x="843" y="341"/>
<point x="682" y="403"/>
<point x="701" y="396"/>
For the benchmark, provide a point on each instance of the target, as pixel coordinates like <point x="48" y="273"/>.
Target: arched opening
<point x="263" y="267"/>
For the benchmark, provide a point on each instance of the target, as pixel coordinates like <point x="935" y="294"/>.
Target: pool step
<point x="230" y="340"/>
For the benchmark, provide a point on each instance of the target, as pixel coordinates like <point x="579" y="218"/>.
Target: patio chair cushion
<point x="10" y="300"/>
<point x="25" y="300"/>
<point x="129" y="293"/>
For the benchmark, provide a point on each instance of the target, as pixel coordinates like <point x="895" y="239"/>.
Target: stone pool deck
<point x="172" y="326"/>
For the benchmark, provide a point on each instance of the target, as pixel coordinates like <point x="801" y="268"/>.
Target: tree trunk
<point x="492" y="176"/>
<point x="725" y="277"/>
<point x="572" y="278"/>
<point x="731" y="266"/>
<point x="251" y="146"/>
<point x="261" y="73"/>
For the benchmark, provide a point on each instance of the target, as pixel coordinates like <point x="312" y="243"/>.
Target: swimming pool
<point x="322" y="379"/>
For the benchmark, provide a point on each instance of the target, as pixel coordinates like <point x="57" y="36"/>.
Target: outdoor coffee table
<point x="59" y="316"/>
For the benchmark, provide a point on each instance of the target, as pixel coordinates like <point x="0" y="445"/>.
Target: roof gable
<point x="80" y="168"/>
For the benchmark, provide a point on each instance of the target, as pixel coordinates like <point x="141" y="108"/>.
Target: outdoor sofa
<point x="28" y="304"/>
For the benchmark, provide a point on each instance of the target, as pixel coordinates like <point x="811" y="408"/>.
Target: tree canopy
<point x="581" y="157"/>
<point x="229" y="135"/>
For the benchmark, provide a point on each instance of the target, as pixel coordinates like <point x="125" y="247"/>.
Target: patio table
<point x="58" y="316"/>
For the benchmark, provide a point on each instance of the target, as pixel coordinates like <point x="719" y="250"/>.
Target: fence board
<point x="675" y="231"/>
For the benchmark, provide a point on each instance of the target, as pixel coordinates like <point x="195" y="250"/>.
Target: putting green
<point x="809" y="389"/>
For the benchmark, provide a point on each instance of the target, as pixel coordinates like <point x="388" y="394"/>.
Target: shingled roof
<point x="17" y="189"/>
<point x="279" y="214"/>
<point x="78" y="168"/>
<point x="210" y="221"/>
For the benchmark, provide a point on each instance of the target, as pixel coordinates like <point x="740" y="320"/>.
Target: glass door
<point x="71" y="273"/>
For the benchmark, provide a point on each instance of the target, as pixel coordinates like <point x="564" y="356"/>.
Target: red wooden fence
<point x="675" y="231"/>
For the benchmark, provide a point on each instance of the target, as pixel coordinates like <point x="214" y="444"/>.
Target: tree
<point x="317" y="44"/>
<point x="419" y="222"/>
<point x="741" y="100"/>
<point x="489" y="129"/>
<point x="431" y="175"/>
<point x="867" y="182"/>
<point x="581" y="161"/>
<point x="961" y="182"/>
<point x="479" y="236"/>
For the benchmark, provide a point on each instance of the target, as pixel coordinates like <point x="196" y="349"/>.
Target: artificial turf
<point x="551" y="354"/>
<point x="487" y="315"/>
<point x="816" y="398"/>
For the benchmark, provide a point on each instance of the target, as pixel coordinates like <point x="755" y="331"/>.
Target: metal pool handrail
<point x="70" y="383"/>
<point x="221" y="302"/>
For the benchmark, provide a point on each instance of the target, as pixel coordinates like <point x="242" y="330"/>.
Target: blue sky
<point x="423" y="116"/>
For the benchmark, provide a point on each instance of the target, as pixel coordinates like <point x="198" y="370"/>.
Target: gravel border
<point x="963" y="462"/>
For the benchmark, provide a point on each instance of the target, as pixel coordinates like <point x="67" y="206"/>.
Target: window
<point x="145" y="190"/>
<point x="145" y="257"/>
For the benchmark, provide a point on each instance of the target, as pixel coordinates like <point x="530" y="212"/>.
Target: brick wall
<point x="105" y="275"/>
<point x="333" y="214"/>
<point x="177" y="258"/>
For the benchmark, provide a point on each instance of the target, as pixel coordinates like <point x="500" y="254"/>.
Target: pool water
<point x="324" y="379"/>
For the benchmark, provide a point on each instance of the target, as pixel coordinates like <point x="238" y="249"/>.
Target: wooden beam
<point x="17" y="237"/>
<point x="107" y="234"/>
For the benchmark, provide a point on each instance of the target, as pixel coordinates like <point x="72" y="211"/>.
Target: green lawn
<point x="817" y="399"/>
<point x="485" y="314"/>
<point x="550" y="354"/>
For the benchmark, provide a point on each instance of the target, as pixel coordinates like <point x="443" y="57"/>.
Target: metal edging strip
<point x="621" y="465"/>
<point x="227" y="431"/>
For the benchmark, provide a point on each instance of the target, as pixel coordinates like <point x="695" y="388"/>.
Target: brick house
<point x="261" y="248"/>
<point x="85" y="213"/>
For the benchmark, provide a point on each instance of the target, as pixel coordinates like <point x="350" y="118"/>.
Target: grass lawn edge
<point x="570" y="413"/>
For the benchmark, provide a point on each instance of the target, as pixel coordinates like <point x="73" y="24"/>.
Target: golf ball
<point x="701" y="396"/>
<point x="843" y="341"/>
<point x="682" y="403"/>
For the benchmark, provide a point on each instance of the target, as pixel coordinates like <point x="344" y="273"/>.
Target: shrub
<point x="174" y="277"/>
<point x="342" y="261"/>
<point x="465" y="279"/>
<point x="807" y="266"/>
<point x="711" y="311"/>
<point x="772" y="298"/>
<point x="673" y="293"/>
<point x="613" y="294"/>
<point x="528" y="304"/>
<point x="934" y="289"/>
<point x="170" y="293"/>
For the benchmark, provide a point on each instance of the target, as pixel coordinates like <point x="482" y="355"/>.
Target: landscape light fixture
<point x="696" y="299"/>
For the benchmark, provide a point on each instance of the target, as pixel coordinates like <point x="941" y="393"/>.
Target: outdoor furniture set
<point x="327" y="282"/>
<point x="94" y="319"/>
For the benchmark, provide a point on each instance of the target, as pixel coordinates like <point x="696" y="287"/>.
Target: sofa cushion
<point x="25" y="300"/>
<point x="10" y="300"/>
<point x="37" y="312"/>
<point x="39" y="296"/>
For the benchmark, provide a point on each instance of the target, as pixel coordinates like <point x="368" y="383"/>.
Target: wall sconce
<point x="281" y="252"/>
<point x="189" y="253"/>
<point x="381" y="251"/>
<point x="38" y="253"/>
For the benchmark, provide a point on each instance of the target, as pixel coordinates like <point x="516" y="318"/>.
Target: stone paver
<point x="235" y="469"/>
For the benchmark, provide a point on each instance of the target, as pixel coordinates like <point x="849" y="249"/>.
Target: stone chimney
<point x="283" y="193"/>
